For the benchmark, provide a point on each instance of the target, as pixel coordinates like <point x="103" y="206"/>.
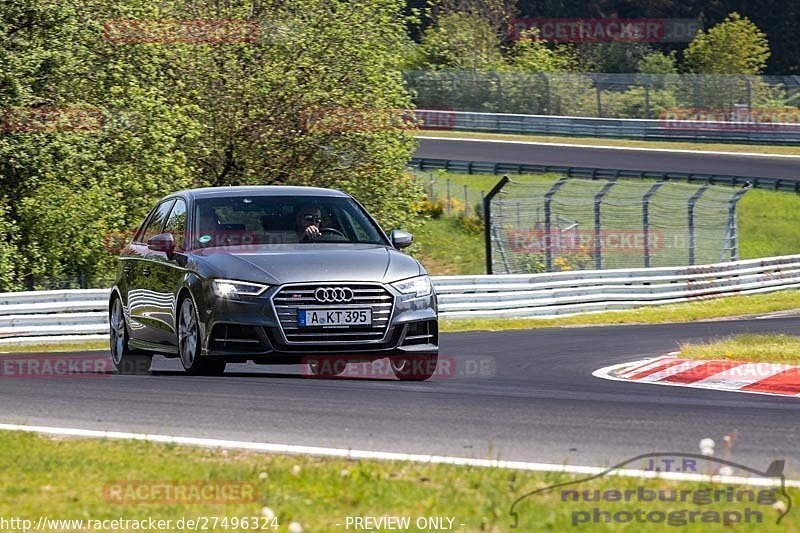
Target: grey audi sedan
<point x="274" y="275"/>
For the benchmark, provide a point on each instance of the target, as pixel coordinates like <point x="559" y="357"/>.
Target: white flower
<point x="295" y="527"/>
<point x="267" y="513"/>
<point x="779" y="506"/>
<point x="345" y="472"/>
<point x="262" y="476"/>
<point x="296" y="469"/>
<point x="725" y="471"/>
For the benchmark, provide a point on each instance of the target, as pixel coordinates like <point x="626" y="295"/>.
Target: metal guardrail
<point x="617" y="128"/>
<point x="488" y="167"/>
<point x="66" y="316"/>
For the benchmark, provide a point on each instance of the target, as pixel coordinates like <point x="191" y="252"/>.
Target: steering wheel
<point x="323" y="231"/>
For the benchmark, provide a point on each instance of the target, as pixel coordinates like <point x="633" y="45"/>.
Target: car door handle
<point x="146" y="272"/>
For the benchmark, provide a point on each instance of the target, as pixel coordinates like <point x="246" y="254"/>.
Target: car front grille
<point x="374" y="296"/>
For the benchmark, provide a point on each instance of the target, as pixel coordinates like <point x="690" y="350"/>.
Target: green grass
<point x="768" y="224"/>
<point x="595" y="141"/>
<point x="66" y="478"/>
<point x="732" y="306"/>
<point x="446" y="249"/>
<point x="748" y="347"/>
<point x="67" y="347"/>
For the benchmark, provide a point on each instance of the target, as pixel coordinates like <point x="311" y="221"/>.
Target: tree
<point x="532" y="55"/>
<point x="177" y="115"/>
<point x="461" y="41"/>
<point x="658" y="63"/>
<point x="734" y="46"/>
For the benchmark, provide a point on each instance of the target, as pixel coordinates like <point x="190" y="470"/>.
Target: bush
<point x="470" y="224"/>
<point x="534" y="263"/>
<point x="431" y="209"/>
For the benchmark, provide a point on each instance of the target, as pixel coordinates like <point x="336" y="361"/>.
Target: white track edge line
<point x="611" y="147"/>
<point x="605" y="373"/>
<point x="387" y="456"/>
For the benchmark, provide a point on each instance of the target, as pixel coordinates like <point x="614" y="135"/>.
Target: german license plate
<point x="310" y="318"/>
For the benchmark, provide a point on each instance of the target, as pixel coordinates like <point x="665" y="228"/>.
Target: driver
<point x="309" y="218"/>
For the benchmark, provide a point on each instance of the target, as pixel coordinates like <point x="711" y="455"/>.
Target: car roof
<point x="258" y="190"/>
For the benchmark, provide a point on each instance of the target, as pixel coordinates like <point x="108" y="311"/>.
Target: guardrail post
<point x="599" y="100"/>
<point x="447" y="206"/>
<point x="598" y="237"/>
<point x="496" y="76"/>
<point x="547" y="95"/>
<point x="487" y="220"/>
<point x="733" y="230"/>
<point x="548" y="241"/>
<point x="646" y="220"/>
<point x="455" y="91"/>
<point x="692" y="201"/>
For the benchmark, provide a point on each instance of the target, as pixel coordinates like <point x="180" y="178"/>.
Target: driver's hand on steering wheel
<point x="311" y="232"/>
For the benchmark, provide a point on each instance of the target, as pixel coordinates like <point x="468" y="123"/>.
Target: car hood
<point x="297" y="263"/>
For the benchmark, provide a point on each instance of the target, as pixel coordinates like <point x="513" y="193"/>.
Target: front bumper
<point x="249" y="329"/>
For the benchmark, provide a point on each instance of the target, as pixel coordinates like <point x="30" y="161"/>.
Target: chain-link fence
<point x="646" y="96"/>
<point x="575" y="224"/>
<point x="454" y="198"/>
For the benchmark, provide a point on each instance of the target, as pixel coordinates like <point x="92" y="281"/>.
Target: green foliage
<point x="534" y="263"/>
<point x="470" y="224"/>
<point x="432" y="208"/>
<point x="461" y="41"/>
<point x="532" y="55"/>
<point x="658" y="63"/>
<point x="635" y="102"/>
<point x="178" y="115"/>
<point x="734" y="46"/>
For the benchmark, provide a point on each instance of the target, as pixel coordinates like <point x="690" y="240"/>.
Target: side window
<point x="156" y="224"/>
<point x="139" y="236"/>
<point x="176" y="224"/>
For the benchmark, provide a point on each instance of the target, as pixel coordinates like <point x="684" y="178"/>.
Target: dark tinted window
<point x="243" y="220"/>
<point x="156" y="223"/>
<point x="176" y="224"/>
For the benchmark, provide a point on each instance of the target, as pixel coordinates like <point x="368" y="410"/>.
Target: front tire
<point x="414" y="367"/>
<point x="189" y="343"/>
<point x="124" y="359"/>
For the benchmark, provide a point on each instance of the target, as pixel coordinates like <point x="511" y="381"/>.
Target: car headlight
<point x="416" y="287"/>
<point x="226" y="288"/>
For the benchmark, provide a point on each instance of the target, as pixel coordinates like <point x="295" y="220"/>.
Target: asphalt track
<point x="537" y="402"/>
<point x="579" y="156"/>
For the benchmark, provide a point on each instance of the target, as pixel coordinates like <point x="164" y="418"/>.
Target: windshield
<point x="248" y="220"/>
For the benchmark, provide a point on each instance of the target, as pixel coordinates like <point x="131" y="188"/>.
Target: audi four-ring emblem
<point x="333" y="294"/>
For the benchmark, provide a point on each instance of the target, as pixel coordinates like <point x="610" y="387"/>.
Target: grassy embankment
<point x="75" y="479"/>
<point x="629" y="143"/>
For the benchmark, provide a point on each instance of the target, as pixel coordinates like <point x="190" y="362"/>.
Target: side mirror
<point x="163" y="242"/>
<point x="401" y="239"/>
